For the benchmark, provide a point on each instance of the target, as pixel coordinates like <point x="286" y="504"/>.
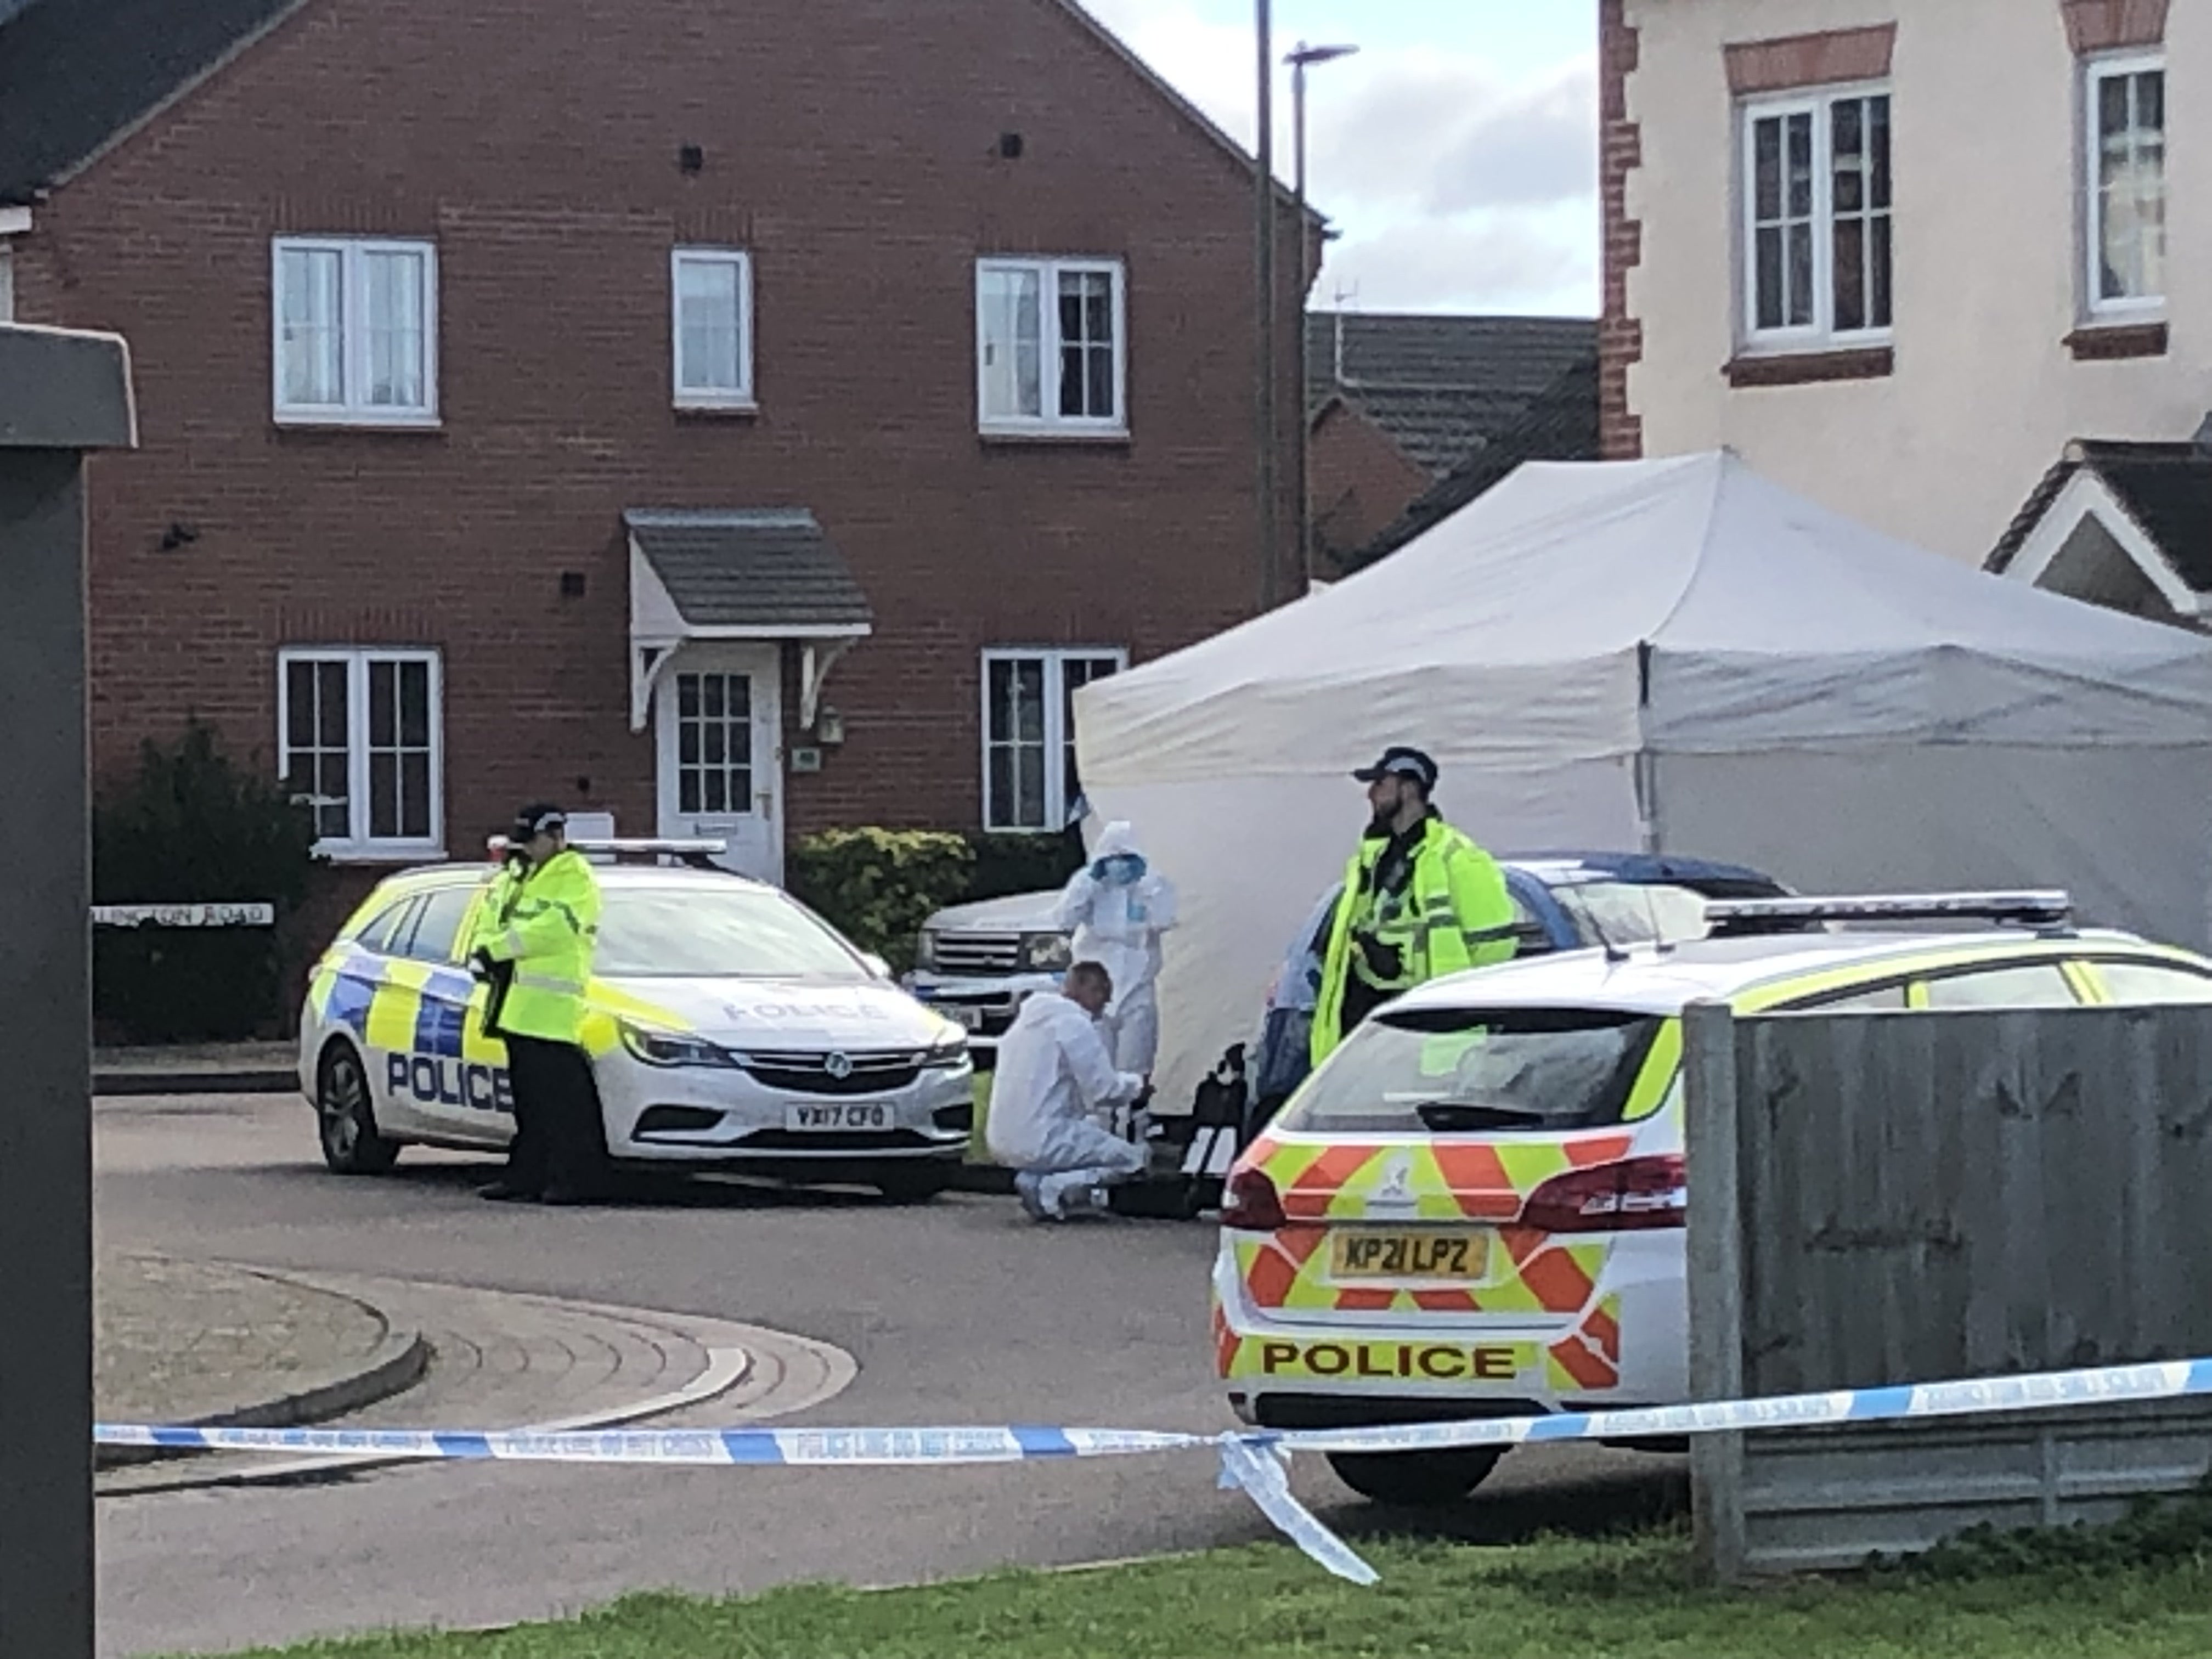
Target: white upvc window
<point x="712" y="327"/>
<point x="1028" y="733"/>
<point x="355" y="328"/>
<point x="359" y="738"/>
<point x="1817" y="251"/>
<point x="1051" y="346"/>
<point x="2124" y="205"/>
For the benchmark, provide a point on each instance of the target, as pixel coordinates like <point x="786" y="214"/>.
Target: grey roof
<point x="2165" y="487"/>
<point x="76" y="73"/>
<point x="1439" y="386"/>
<point x="760" y="568"/>
<point x="1560" y="425"/>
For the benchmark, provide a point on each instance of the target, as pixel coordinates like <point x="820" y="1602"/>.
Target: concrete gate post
<point x="61" y="395"/>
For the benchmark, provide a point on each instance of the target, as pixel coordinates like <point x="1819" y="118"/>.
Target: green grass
<point x="1552" y="1597"/>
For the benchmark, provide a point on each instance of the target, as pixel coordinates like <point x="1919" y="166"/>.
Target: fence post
<point x="60" y="395"/>
<point x="1716" y="1266"/>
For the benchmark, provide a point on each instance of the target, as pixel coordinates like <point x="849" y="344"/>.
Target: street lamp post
<point x="1300" y="58"/>
<point x="1263" y="209"/>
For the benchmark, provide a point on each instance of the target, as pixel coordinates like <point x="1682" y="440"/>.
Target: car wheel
<point x="1424" y="1480"/>
<point x="913" y="1186"/>
<point x="345" y="1121"/>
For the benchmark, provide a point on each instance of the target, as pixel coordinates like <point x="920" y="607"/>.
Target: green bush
<point x="1006" y="864"/>
<point x="878" y="886"/>
<point x="193" y="827"/>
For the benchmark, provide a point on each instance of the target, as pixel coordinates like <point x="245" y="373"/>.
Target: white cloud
<point x="1502" y="262"/>
<point x="1456" y="183"/>
<point x="1444" y="137"/>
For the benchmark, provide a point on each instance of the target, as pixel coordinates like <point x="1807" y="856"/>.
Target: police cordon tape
<point x="1254" y="1461"/>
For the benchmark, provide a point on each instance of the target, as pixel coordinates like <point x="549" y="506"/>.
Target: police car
<point x="729" y="1027"/>
<point x="1477" y="1206"/>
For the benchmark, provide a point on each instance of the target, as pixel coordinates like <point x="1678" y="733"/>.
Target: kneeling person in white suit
<point x="1053" y="1095"/>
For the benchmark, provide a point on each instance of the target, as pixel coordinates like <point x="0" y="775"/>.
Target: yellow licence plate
<point x="1408" y="1256"/>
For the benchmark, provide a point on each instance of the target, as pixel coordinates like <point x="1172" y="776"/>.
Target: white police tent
<point x="1673" y="654"/>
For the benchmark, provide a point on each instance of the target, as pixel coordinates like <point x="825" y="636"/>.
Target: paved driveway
<point x="954" y="1312"/>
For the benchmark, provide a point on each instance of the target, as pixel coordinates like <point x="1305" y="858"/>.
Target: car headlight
<point x="671" y="1048"/>
<point x="1045" y="953"/>
<point x="949" y="1053"/>
<point x="925" y="951"/>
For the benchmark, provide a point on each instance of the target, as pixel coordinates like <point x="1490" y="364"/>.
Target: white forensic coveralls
<point x="1117" y="909"/>
<point x="1054" y="1087"/>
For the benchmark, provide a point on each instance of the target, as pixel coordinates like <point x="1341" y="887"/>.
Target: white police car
<point x="729" y="1027"/>
<point x="1477" y="1205"/>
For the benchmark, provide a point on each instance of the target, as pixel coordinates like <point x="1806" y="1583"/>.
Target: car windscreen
<point x="699" y="932"/>
<point x="1632" y="912"/>
<point x="1478" y="1070"/>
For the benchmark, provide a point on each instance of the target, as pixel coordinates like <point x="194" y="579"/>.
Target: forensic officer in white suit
<point x="1055" y="1094"/>
<point x="1117" y="907"/>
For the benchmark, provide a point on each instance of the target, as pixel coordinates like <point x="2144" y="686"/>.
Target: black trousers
<point x="559" y="1144"/>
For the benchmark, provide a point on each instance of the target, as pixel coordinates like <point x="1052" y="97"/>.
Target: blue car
<point x="1561" y="902"/>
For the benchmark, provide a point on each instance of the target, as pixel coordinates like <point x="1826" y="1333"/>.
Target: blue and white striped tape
<point x="1253" y="1462"/>
<point x="755" y="1447"/>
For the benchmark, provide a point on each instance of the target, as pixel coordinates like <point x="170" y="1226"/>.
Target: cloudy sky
<point x="1457" y="153"/>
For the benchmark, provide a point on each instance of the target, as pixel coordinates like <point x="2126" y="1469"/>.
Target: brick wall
<point x="1620" y="335"/>
<point x="1361" y="482"/>
<point x="855" y="151"/>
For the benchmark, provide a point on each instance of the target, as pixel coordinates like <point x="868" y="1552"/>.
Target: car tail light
<point x="1611" y="1198"/>
<point x="1251" y="1203"/>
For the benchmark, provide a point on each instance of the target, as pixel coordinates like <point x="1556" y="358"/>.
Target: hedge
<point x="192" y="827"/>
<point x="877" y="886"/>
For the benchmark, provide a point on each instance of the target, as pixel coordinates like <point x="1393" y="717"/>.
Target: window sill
<point x="733" y="408"/>
<point x="305" y="421"/>
<point x="2108" y="343"/>
<point x="357" y="855"/>
<point x="1811" y="367"/>
<point x="1105" y="436"/>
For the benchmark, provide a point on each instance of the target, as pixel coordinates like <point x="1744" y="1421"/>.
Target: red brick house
<point x="1399" y="403"/>
<point x="739" y="419"/>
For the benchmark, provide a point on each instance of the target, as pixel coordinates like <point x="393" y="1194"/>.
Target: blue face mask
<point x="1121" y="870"/>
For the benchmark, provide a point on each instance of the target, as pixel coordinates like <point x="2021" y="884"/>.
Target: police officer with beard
<point x="1421" y="901"/>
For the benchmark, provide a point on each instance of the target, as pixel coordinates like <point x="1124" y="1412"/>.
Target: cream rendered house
<point x="1943" y="264"/>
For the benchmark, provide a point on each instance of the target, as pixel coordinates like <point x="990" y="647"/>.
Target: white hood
<point x="1117" y="837"/>
<point x="858" y="1017"/>
<point x="1019" y="913"/>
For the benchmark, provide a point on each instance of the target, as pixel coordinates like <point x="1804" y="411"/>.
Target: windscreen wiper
<point x="1446" y="1115"/>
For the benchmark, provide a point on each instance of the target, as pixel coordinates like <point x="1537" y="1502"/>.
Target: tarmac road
<point x="956" y="1312"/>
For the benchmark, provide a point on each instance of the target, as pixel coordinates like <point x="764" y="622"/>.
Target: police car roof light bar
<point x="698" y="853"/>
<point x="2049" y="907"/>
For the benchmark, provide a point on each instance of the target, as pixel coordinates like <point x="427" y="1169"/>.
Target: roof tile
<point x="2165" y="488"/>
<point x="761" y="567"/>
<point x="1440" y="386"/>
<point x="76" y="73"/>
<point x="1561" y="425"/>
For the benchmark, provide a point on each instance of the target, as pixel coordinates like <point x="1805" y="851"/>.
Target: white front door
<point x="720" y="723"/>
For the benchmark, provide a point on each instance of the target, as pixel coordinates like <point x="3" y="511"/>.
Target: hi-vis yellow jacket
<point x="545" y="920"/>
<point x="1453" y="913"/>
